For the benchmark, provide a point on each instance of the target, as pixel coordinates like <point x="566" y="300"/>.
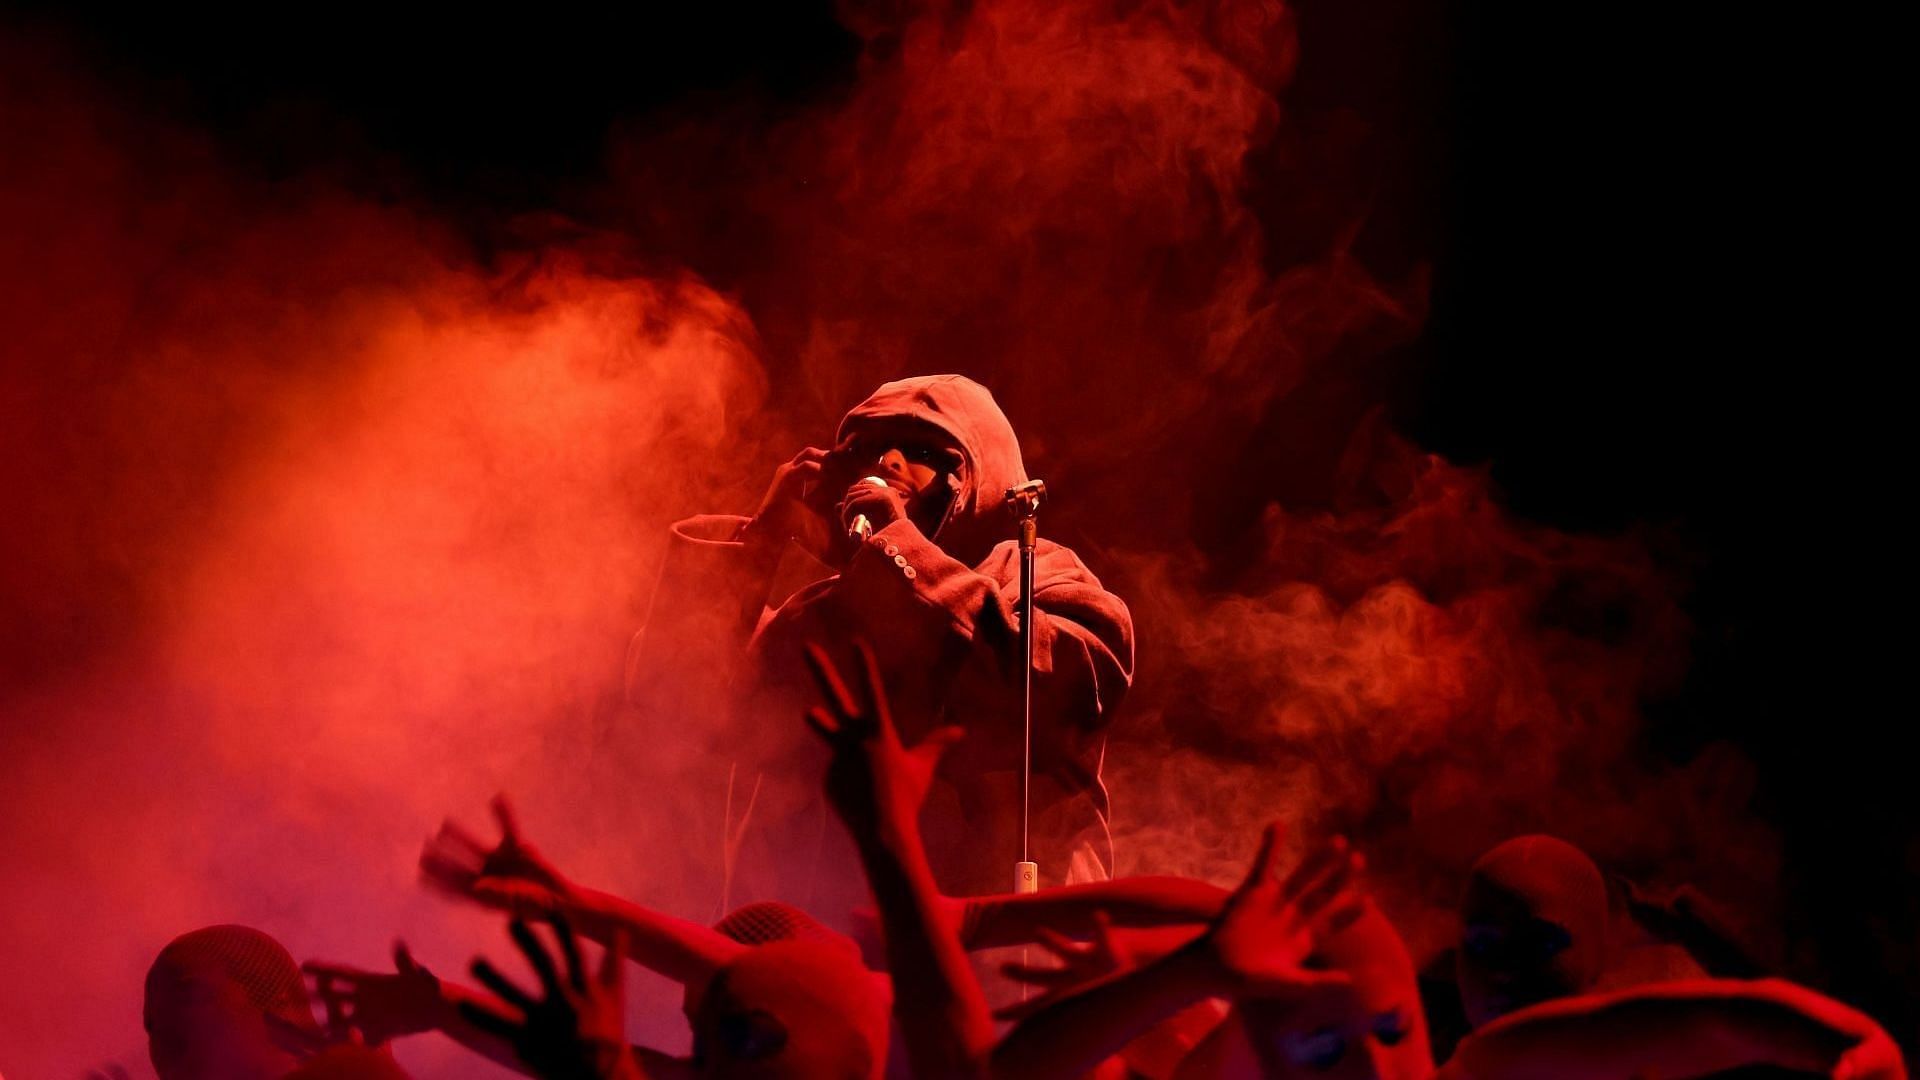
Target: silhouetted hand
<point x="790" y="510"/>
<point x="1080" y="963"/>
<point x="378" y="1006"/>
<point x="1268" y="928"/>
<point x="576" y="1029"/>
<point x="876" y="785"/>
<point x="511" y="876"/>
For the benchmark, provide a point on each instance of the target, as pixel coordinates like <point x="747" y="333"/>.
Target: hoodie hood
<point x="977" y="518"/>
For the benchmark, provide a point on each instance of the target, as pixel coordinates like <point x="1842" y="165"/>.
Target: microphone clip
<point x="1024" y="499"/>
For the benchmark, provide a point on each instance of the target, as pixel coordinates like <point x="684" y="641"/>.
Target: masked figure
<point x="226" y="1003"/>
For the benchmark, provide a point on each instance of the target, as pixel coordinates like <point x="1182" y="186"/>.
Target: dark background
<point x="1632" y="320"/>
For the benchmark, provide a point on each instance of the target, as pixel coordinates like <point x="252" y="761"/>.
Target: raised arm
<point x="988" y="922"/>
<point x="1256" y="947"/>
<point x="411" y="1000"/>
<point x="877" y="787"/>
<point x="1686" y="1028"/>
<point x="513" y="876"/>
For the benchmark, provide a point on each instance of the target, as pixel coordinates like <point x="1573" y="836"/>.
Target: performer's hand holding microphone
<point x="869" y="505"/>
<point x="800" y="505"/>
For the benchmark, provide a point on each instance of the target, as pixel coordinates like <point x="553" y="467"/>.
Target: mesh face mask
<point x="769" y="921"/>
<point x="799" y="1009"/>
<point x="253" y="961"/>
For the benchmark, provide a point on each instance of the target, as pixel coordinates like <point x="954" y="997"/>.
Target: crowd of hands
<point x="1127" y="960"/>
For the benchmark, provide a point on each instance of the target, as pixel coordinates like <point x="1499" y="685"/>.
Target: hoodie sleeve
<point x="710" y="594"/>
<point x="903" y="583"/>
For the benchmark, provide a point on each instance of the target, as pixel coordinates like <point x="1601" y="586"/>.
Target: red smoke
<point x="324" y="526"/>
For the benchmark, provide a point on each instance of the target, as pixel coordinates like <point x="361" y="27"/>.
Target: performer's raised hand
<point x="376" y="1005"/>
<point x="873" y="781"/>
<point x="792" y="509"/>
<point x="1268" y="928"/>
<point x="509" y="876"/>
<point x="576" y="1028"/>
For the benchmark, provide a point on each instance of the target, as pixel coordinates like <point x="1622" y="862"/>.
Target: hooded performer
<point x="934" y="587"/>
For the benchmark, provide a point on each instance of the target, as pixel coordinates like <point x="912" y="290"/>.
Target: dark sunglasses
<point x="938" y="458"/>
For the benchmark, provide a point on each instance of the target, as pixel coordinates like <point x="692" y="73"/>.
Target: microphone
<point x="860" y="528"/>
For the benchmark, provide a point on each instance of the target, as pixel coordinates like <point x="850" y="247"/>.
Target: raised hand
<point x="873" y="781"/>
<point x="1268" y="928"/>
<point x="576" y="1028"/>
<point x="378" y="1006"/>
<point x="509" y="876"/>
<point x="790" y="509"/>
<point x="1080" y="963"/>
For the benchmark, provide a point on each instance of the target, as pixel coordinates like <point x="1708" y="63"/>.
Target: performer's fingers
<point x="492" y="1021"/>
<point x="1344" y="911"/>
<point x="403" y="961"/>
<point x="509" y="822"/>
<point x="1326" y="870"/>
<point x="938" y="742"/>
<point x="1315" y="862"/>
<point x="822" y="721"/>
<point x="491" y="978"/>
<point x="1261" y="871"/>
<point x="831" y="686"/>
<point x="536" y="954"/>
<point x="944" y="736"/>
<point x="569" y="952"/>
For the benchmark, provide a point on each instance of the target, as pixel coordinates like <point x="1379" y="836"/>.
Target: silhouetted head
<point x="213" y="1000"/>
<point x="794" y="1009"/>
<point x="1372" y="1028"/>
<point x="1533" y="927"/>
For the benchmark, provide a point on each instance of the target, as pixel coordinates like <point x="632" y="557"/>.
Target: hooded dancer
<point x="935" y="587"/>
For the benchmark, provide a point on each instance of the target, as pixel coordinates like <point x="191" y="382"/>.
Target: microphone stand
<point x="1024" y="501"/>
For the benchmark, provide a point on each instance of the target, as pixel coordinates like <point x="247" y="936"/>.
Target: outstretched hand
<point x="876" y="785"/>
<point x="510" y="876"/>
<point x="377" y="1006"/>
<point x="1268" y="928"/>
<point x="1080" y="963"/>
<point x="576" y="1029"/>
